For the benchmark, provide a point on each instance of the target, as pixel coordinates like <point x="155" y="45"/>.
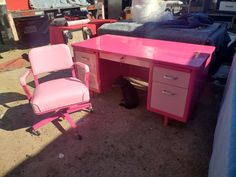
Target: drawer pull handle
<point x="170" y="77"/>
<point x="85" y="58"/>
<point x="166" y="92"/>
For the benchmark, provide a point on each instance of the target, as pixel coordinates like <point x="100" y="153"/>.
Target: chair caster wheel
<point x="78" y="136"/>
<point x="91" y="110"/>
<point x="33" y="132"/>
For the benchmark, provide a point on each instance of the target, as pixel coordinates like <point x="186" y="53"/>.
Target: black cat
<point x="130" y="95"/>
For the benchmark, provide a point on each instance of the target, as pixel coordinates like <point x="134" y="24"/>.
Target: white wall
<point x="2" y="2"/>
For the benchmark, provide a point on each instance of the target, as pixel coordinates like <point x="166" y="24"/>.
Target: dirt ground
<point x="116" y="142"/>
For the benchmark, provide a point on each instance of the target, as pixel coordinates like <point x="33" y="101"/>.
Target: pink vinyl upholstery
<point x="59" y="96"/>
<point x="69" y="91"/>
<point x="50" y="58"/>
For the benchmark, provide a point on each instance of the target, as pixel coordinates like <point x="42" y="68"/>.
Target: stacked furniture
<point x="214" y="35"/>
<point x="56" y="32"/>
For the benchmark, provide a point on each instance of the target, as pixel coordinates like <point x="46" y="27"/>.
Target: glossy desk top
<point x="157" y="51"/>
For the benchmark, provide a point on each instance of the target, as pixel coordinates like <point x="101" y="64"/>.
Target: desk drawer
<point x="170" y="76"/>
<point x="169" y="99"/>
<point x="111" y="57"/>
<point x="125" y="59"/>
<point x="92" y="70"/>
<point x="86" y="58"/>
<point x="93" y="81"/>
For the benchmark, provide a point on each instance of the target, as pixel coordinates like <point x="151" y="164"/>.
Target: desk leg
<point x="166" y="121"/>
<point x="93" y="94"/>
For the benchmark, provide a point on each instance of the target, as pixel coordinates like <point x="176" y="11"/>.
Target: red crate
<point x="13" y="5"/>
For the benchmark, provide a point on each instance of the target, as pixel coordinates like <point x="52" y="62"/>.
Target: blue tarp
<point x="214" y="34"/>
<point x="223" y="159"/>
<point x="193" y="20"/>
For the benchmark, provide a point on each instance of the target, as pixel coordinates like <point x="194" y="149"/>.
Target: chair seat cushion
<point x="59" y="93"/>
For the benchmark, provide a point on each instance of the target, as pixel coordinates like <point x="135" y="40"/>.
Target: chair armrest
<point x="86" y="69"/>
<point x="24" y="85"/>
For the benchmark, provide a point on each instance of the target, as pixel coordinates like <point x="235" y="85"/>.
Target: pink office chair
<point x="59" y="96"/>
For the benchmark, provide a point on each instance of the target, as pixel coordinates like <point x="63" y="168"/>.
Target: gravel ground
<point x="116" y="142"/>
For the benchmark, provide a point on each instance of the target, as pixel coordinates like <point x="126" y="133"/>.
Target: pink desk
<point x="56" y="36"/>
<point x="175" y="71"/>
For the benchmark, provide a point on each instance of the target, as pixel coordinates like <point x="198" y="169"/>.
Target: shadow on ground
<point x="9" y="97"/>
<point x="10" y="120"/>
<point x="30" y="41"/>
<point x="120" y="142"/>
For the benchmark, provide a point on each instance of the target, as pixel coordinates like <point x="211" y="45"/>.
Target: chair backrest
<point x="50" y="58"/>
